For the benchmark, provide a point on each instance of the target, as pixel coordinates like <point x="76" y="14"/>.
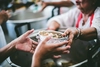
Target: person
<point x="4" y="15"/>
<point x="65" y="3"/>
<point x="23" y="43"/>
<point x="45" y="50"/>
<point x="85" y="15"/>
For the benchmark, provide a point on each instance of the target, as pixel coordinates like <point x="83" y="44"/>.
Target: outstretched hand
<point x="25" y="43"/>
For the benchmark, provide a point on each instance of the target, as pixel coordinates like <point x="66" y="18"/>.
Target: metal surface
<point x="78" y="53"/>
<point x="19" y="19"/>
<point x="27" y="15"/>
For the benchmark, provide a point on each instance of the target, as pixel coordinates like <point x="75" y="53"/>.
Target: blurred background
<point x="27" y="14"/>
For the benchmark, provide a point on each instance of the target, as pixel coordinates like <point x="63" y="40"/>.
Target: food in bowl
<point x="56" y="36"/>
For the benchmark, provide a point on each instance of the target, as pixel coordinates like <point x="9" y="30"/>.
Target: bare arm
<point x="88" y="34"/>
<point x="54" y="25"/>
<point x="6" y="51"/>
<point x="61" y="4"/>
<point x="67" y="3"/>
<point x="85" y="34"/>
<point x="23" y="43"/>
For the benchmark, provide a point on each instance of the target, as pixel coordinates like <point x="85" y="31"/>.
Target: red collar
<point x="80" y="17"/>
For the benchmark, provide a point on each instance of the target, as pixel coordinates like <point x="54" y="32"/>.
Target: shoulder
<point x="73" y="11"/>
<point x="97" y="12"/>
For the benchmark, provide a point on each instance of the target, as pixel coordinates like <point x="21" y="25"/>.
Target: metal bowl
<point x="56" y="37"/>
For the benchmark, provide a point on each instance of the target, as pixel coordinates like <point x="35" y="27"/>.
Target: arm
<point x="23" y="43"/>
<point x="64" y="20"/>
<point x="54" y="25"/>
<point x="88" y="34"/>
<point x="6" y="51"/>
<point x="45" y="49"/>
<point x="84" y="34"/>
<point x="66" y="3"/>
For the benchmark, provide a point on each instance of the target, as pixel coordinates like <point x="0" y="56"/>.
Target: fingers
<point x="28" y="33"/>
<point x="34" y="42"/>
<point x="43" y="5"/>
<point x="56" y="56"/>
<point x="61" y="44"/>
<point x="47" y="38"/>
<point x="71" y="36"/>
<point x="62" y="50"/>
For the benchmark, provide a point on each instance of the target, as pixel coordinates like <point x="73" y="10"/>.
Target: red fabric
<point x="80" y="17"/>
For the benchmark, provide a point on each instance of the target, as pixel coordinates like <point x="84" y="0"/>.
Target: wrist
<point x="36" y="61"/>
<point x="78" y="33"/>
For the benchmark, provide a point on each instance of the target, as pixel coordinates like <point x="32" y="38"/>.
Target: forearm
<point x="61" y="4"/>
<point x="36" y="61"/>
<point x="88" y="34"/>
<point x="54" y="25"/>
<point x="6" y="51"/>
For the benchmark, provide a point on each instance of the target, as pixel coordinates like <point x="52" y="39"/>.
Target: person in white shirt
<point x="85" y="15"/>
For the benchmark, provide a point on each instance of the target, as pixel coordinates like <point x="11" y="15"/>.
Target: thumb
<point x="47" y="39"/>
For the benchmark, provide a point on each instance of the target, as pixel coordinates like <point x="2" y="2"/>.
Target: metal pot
<point x="78" y="53"/>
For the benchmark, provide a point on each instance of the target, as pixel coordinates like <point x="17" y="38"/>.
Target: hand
<point x="44" y="5"/>
<point x="4" y="15"/>
<point x="71" y="33"/>
<point x="24" y="43"/>
<point x="45" y="50"/>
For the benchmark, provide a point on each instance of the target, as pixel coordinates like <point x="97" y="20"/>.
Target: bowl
<point x="56" y="37"/>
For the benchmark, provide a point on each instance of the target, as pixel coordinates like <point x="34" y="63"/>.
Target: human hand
<point x="44" y="5"/>
<point x="46" y="50"/>
<point x="71" y="33"/>
<point x="4" y="15"/>
<point x="24" y="43"/>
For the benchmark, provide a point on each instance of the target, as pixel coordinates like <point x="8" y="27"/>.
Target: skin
<point x="4" y="15"/>
<point x="45" y="49"/>
<point x="86" y="34"/>
<point x="87" y="7"/>
<point x="23" y="43"/>
<point x="66" y="3"/>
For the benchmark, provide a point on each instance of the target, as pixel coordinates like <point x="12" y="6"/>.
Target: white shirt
<point x="2" y="38"/>
<point x="69" y="19"/>
<point x="2" y="44"/>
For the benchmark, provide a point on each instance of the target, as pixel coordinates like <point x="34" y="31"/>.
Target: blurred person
<point x="62" y="3"/>
<point x="81" y="16"/>
<point x="4" y="15"/>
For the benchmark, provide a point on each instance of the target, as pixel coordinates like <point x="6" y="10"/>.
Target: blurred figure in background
<point x="61" y="3"/>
